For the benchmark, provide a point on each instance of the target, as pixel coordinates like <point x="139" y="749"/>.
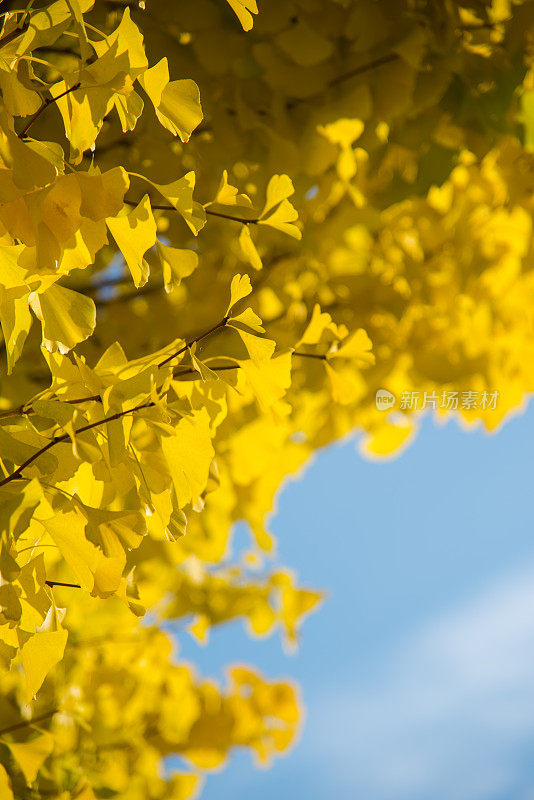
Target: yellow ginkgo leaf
<point x="278" y="212"/>
<point x="61" y="207"/>
<point x="135" y="233"/>
<point x="239" y="288"/>
<point x="279" y="188"/>
<point x="67" y="532"/>
<point x="177" y="264"/>
<point x="102" y="194"/>
<point x="343" y="131"/>
<point x="67" y="317"/>
<point x="95" y="571"/>
<point x="228" y="195"/>
<point x="18" y="98"/>
<point x="77" y="13"/>
<point x="357" y="346"/>
<point x="5" y="785"/>
<point x="282" y="219"/>
<point x="321" y="329"/>
<point x="16" y="320"/>
<point x="31" y="754"/>
<point x="203" y="370"/>
<point x="248" y="321"/>
<point x="188" y="451"/>
<point x="244" y="9"/>
<point x="269" y="379"/>
<point x="39" y="655"/>
<point x="179" y="193"/>
<point x="388" y="440"/>
<point x="346" y="384"/>
<point x="200" y="628"/>
<point x="249" y="248"/>
<point x="177" y="103"/>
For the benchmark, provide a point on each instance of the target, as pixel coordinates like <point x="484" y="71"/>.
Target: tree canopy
<point x="223" y="230"/>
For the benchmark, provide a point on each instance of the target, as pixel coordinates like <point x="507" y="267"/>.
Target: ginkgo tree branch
<point x="353" y="73"/>
<point x="319" y="356"/>
<point x="168" y="207"/>
<point x="379" y="62"/>
<point x="48" y="101"/>
<point x="345" y="76"/>
<point x="28" y="409"/>
<point x="232" y="217"/>
<point x="26" y="722"/>
<point x="22" y="410"/>
<point x="16" y="474"/>
<point x="196" y="340"/>
<point x="62" y="583"/>
<point x="192" y="371"/>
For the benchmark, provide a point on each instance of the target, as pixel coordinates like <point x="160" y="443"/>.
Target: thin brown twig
<point x="23" y="409"/>
<point x="25" y="723"/>
<point x="28" y="409"/>
<point x="378" y="62"/>
<point x="46" y="102"/>
<point x="16" y="474"/>
<point x="192" y="371"/>
<point x="310" y="355"/>
<point x="232" y="218"/>
<point x="62" y="583"/>
<point x="353" y="73"/>
<point x="169" y="207"/>
<point x="197" y="339"/>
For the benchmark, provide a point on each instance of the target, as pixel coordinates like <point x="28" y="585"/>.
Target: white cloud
<point x="450" y="717"/>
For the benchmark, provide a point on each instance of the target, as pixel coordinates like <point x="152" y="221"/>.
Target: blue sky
<point x="418" y="671"/>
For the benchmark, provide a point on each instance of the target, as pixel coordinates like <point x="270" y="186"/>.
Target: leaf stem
<point x="13" y="35"/>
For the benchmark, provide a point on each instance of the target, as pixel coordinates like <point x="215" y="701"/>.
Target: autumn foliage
<point x="222" y="230"/>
